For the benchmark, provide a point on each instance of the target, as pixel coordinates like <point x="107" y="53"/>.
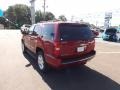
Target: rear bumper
<point x="85" y="57"/>
<point x="56" y="62"/>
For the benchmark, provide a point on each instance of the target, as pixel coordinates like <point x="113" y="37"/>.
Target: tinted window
<point x="48" y="31"/>
<point x="112" y="30"/>
<point x="38" y="30"/>
<point x="75" y="32"/>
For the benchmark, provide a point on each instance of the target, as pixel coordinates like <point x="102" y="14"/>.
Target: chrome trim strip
<point x="50" y="56"/>
<point x="79" y="60"/>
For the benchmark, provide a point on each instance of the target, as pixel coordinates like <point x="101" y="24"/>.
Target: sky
<point x="88" y="10"/>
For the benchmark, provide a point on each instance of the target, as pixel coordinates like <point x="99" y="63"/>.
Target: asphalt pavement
<point x="20" y="72"/>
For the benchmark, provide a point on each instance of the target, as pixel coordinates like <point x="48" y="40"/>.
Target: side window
<point x="31" y="29"/>
<point x="38" y="30"/>
<point x="48" y="31"/>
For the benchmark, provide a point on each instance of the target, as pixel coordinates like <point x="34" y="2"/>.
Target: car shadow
<point x="111" y="41"/>
<point x="78" y="78"/>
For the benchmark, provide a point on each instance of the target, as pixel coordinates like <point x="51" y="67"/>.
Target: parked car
<point x="111" y="34"/>
<point x="58" y="44"/>
<point x="25" y="27"/>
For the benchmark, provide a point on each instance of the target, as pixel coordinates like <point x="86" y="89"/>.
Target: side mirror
<point x="95" y="33"/>
<point x="34" y="33"/>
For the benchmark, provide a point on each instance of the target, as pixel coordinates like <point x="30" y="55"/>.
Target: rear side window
<point x="75" y="32"/>
<point x="48" y="31"/>
<point x="38" y="30"/>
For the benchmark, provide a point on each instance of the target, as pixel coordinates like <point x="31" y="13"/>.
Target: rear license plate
<point x="80" y="49"/>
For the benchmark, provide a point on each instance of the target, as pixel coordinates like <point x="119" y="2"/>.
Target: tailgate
<point x="74" y="49"/>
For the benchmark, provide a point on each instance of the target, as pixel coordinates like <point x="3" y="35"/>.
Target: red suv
<point x="59" y="44"/>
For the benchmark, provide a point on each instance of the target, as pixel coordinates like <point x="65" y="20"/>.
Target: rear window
<point x="75" y="32"/>
<point x="112" y="30"/>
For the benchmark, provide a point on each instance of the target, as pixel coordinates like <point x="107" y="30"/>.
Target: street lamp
<point x="32" y="11"/>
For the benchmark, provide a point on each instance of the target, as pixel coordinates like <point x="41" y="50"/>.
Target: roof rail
<point x="57" y="20"/>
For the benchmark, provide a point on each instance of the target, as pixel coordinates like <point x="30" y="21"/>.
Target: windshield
<point x="75" y="32"/>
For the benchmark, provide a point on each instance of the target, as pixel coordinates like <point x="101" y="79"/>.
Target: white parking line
<point x="109" y="52"/>
<point x="106" y="42"/>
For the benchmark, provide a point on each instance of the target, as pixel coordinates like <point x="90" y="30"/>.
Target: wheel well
<point x="38" y="49"/>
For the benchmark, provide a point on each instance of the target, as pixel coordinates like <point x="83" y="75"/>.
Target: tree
<point x="62" y="17"/>
<point x="39" y="16"/>
<point x="18" y="14"/>
<point x="3" y="21"/>
<point x="49" y="16"/>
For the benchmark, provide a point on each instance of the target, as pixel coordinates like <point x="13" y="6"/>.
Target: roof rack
<point x="52" y="21"/>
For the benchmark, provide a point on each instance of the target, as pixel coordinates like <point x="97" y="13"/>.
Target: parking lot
<point x="20" y="72"/>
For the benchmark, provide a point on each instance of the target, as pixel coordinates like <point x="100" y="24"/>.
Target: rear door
<point x="75" y="39"/>
<point x="48" y="38"/>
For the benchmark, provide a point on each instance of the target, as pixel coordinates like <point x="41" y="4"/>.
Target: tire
<point x="23" y="47"/>
<point x="43" y="66"/>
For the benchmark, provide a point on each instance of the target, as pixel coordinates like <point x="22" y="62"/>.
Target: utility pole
<point x="96" y="23"/>
<point x="44" y="8"/>
<point x="108" y="17"/>
<point x="32" y="11"/>
<point x="72" y="18"/>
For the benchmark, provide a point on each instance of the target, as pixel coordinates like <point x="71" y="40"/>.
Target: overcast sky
<point x="69" y="8"/>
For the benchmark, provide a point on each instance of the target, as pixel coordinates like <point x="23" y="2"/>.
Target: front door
<point x="35" y="39"/>
<point x="30" y="34"/>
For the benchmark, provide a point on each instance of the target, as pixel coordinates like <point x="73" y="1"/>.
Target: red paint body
<point x="59" y="53"/>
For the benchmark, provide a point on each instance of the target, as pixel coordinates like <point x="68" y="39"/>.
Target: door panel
<point x="29" y="37"/>
<point x="27" y="41"/>
<point x="35" y="38"/>
<point x="33" y="43"/>
<point x="49" y="47"/>
<point x="48" y="38"/>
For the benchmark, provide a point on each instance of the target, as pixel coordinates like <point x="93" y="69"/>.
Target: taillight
<point x="57" y="49"/>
